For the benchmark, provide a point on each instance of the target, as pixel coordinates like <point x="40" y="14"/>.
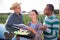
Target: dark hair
<point x="51" y="7"/>
<point x="35" y="11"/>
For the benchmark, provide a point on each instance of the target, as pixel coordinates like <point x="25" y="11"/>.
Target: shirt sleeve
<point x="9" y="21"/>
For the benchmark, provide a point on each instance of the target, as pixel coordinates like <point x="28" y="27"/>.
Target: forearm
<point x="32" y="30"/>
<point x="51" y="32"/>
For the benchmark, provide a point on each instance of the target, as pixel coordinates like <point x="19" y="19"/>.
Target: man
<point x="15" y="18"/>
<point x="51" y="24"/>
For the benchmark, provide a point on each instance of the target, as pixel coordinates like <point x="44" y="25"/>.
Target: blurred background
<point x="26" y="6"/>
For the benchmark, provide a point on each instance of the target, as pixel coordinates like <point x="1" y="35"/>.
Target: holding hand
<point x="43" y="27"/>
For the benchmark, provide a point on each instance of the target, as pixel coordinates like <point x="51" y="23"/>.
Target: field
<point x="3" y="18"/>
<point x="26" y="18"/>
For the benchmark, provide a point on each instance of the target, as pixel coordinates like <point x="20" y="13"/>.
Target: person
<point x="50" y="24"/>
<point x="14" y="18"/>
<point x="35" y="25"/>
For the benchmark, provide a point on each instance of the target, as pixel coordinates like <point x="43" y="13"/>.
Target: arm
<point x="32" y="30"/>
<point x="9" y="21"/>
<point x="54" y="30"/>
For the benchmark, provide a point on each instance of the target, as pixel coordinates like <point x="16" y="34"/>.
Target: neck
<point x="17" y="13"/>
<point x="34" y="21"/>
<point x="49" y="14"/>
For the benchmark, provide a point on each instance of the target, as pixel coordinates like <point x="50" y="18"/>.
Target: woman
<point x="35" y="25"/>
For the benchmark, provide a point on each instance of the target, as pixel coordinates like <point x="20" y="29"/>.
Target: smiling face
<point x="47" y="10"/>
<point x="33" y="15"/>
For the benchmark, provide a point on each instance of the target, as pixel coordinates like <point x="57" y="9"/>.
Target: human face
<point x="33" y="15"/>
<point x="47" y="11"/>
<point x="17" y="9"/>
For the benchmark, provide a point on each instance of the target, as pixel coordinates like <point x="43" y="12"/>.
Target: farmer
<point x="51" y="24"/>
<point x="15" y="18"/>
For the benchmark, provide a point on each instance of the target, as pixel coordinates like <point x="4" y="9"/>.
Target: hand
<point x="43" y="27"/>
<point x="20" y="29"/>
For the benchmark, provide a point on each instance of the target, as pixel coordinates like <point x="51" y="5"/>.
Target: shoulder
<point x="39" y="23"/>
<point x="55" y="20"/>
<point x="11" y="16"/>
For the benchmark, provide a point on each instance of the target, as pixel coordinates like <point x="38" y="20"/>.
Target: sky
<point x="27" y="5"/>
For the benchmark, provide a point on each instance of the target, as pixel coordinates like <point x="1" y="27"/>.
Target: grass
<point x="3" y="18"/>
<point x="26" y="19"/>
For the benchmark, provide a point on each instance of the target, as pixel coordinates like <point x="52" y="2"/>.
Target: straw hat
<point x="15" y="5"/>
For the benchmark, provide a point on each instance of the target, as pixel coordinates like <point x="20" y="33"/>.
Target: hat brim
<point x="12" y="8"/>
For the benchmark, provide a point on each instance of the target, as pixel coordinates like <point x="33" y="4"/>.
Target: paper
<point x="20" y="25"/>
<point x="23" y="26"/>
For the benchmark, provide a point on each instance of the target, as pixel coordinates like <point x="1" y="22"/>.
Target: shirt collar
<point x="16" y="14"/>
<point x="53" y="15"/>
